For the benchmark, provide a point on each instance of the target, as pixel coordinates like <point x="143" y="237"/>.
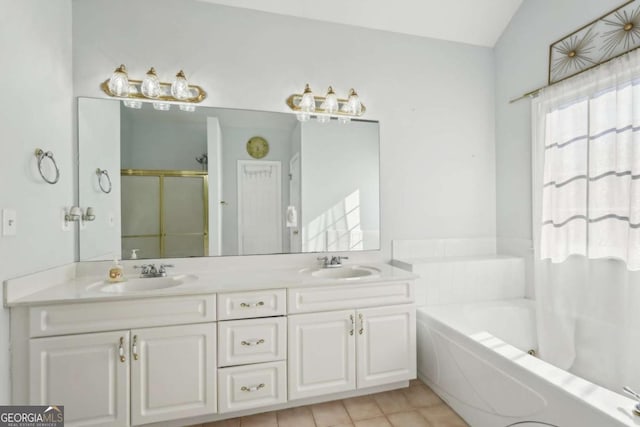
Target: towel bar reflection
<point x="41" y="155"/>
<point x="104" y="173"/>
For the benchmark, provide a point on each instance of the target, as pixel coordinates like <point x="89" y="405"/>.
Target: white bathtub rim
<point x="612" y="404"/>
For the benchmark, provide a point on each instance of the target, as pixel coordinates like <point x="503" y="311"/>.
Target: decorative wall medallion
<point x="609" y="36"/>
<point x="257" y="147"/>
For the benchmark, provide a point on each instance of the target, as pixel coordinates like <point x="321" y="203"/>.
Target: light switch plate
<point x="9" y="222"/>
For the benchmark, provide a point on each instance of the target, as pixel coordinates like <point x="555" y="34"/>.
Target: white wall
<point x="340" y="186"/>
<point x="36" y="110"/>
<point x="521" y="65"/>
<point x="434" y="99"/>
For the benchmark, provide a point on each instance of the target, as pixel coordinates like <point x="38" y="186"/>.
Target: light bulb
<point x="354" y="103"/>
<point x="119" y="82"/>
<point x="343" y="120"/>
<point x="308" y="102"/>
<point x="330" y="104"/>
<point x="150" y="84"/>
<point x="187" y="107"/>
<point x="129" y="103"/>
<point x="323" y="119"/>
<point x="180" y="87"/>
<point x="303" y="117"/>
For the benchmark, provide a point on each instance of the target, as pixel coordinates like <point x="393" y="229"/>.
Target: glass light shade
<point x="188" y="108"/>
<point x="323" y="119"/>
<point x="354" y="103"/>
<point x="161" y="106"/>
<point x="308" y="102"/>
<point x="343" y="120"/>
<point x="303" y="117"/>
<point x="346" y="108"/>
<point x="150" y="84"/>
<point x="180" y="87"/>
<point x="119" y="82"/>
<point x="330" y="104"/>
<point x="129" y="103"/>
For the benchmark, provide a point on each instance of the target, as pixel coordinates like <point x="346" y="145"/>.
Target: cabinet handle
<point x="252" y="342"/>
<point x="252" y="389"/>
<point x="361" y="317"/>
<point x="250" y="305"/>
<point x="121" y="350"/>
<point x="134" y="347"/>
<point x="353" y="325"/>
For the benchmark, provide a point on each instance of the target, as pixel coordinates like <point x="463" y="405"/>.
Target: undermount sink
<point x="145" y="284"/>
<point x="352" y="272"/>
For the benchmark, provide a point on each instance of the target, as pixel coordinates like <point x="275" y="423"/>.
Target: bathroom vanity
<point x="212" y="347"/>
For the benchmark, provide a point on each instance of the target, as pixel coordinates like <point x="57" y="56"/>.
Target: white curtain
<point x="586" y="174"/>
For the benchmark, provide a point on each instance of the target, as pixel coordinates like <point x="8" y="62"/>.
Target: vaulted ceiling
<point x="477" y="22"/>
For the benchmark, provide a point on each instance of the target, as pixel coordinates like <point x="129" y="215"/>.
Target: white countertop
<point x="61" y="286"/>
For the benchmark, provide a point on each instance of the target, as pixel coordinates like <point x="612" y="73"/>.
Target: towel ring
<point x="101" y="173"/>
<point x="41" y="155"/>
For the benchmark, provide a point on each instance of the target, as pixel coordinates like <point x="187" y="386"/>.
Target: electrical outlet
<point x="9" y="222"/>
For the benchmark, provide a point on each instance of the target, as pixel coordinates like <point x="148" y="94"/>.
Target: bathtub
<point x="476" y="357"/>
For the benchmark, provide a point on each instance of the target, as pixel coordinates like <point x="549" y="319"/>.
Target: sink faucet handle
<point x="337" y="260"/>
<point x="163" y="268"/>
<point x="143" y="267"/>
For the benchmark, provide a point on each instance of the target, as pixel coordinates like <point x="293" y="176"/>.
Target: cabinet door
<point x="173" y="372"/>
<point x="88" y="374"/>
<point x="321" y="353"/>
<point x="386" y="345"/>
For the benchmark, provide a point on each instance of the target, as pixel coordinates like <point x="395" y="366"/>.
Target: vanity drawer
<point x="253" y="386"/>
<point x="241" y="342"/>
<point x="246" y="305"/>
<point x="62" y="319"/>
<point x="349" y="296"/>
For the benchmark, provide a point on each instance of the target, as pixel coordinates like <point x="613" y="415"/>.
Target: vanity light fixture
<point x="150" y="87"/>
<point x="152" y="90"/>
<point x="324" y="108"/>
<point x="119" y="82"/>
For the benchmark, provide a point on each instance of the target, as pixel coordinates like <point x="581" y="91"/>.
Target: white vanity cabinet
<point x="252" y="349"/>
<point x="342" y="350"/>
<point x="157" y="369"/>
<point x="166" y="360"/>
<point x="173" y="372"/>
<point x="88" y="374"/>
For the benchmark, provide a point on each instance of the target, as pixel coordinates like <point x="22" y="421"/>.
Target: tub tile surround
<point x="460" y="270"/>
<point x="415" y="406"/>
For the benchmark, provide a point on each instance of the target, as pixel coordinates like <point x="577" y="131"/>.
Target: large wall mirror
<point x="170" y="184"/>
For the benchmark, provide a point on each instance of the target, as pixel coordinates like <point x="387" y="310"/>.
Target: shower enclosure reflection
<point x="189" y="187"/>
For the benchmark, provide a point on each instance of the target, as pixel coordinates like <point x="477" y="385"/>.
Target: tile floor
<point x="415" y="406"/>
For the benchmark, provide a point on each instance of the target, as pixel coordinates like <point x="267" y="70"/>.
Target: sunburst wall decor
<point x="609" y="36"/>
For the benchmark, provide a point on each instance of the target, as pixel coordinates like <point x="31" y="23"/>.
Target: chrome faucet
<point x="150" y="270"/>
<point x="333" y="262"/>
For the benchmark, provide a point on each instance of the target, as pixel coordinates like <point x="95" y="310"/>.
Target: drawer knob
<point x="252" y="389"/>
<point x="253" y="342"/>
<point x="251" y="305"/>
